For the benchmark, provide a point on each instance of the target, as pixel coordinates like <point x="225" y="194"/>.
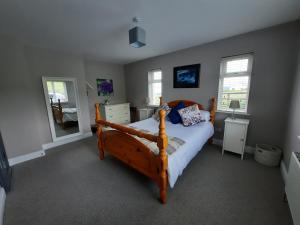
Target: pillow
<point x="190" y="115"/>
<point x="164" y="107"/>
<point x="174" y="115"/>
<point x="205" y="115"/>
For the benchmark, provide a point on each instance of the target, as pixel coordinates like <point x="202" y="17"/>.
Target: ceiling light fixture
<point x="137" y="35"/>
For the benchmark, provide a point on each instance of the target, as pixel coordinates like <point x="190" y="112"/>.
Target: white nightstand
<point x="235" y="135"/>
<point x="145" y="113"/>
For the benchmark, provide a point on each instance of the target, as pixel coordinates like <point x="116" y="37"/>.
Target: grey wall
<point x="273" y="69"/>
<point x="292" y="142"/>
<point x="94" y="70"/>
<point x="23" y="116"/>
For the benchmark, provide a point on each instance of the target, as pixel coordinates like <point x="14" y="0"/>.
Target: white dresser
<point x="116" y="113"/>
<point x="235" y="135"/>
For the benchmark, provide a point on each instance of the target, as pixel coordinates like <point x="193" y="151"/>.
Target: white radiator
<point x="292" y="188"/>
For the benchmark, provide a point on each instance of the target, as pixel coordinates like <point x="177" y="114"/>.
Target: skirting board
<point x="283" y="170"/>
<point x="26" y="157"/>
<point x="248" y="149"/>
<point x="2" y="204"/>
<point x="40" y="153"/>
<point x="66" y="141"/>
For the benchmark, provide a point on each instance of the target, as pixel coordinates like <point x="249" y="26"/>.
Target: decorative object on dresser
<point x="292" y="187"/>
<point x="186" y="76"/>
<point x="235" y="135"/>
<point x="116" y="113"/>
<point x="121" y="143"/>
<point x="145" y="113"/>
<point x="234" y="104"/>
<point x="105" y="88"/>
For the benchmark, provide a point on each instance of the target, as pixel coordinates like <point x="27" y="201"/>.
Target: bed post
<point x="61" y="115"/>
<point x="99" y="132"/>
<point x="162" y="144"/>
<point x="212" y="110"/>
<point x="160" y="100"/>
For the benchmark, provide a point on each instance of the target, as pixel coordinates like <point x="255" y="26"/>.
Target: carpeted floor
<point x="71" y="186"/>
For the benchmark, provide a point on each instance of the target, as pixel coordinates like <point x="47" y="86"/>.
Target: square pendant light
<point x="137" y="37"/>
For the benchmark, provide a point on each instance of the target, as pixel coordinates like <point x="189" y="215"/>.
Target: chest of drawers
<point x="117" y="113"/>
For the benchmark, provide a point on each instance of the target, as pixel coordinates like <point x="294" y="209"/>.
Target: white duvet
<point x="195" y="137"/>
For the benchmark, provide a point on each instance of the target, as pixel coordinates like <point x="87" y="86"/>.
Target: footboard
<point x="120" y="143"/>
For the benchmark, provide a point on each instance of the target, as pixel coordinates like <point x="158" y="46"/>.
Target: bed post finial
<point x="160" y="100"/>
<point x="162" y="145"/>
<point x="99" y="131"/>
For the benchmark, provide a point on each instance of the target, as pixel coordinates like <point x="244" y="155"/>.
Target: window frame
<point x="65" y="91"/>
<point x="223" y="75"/>
<point x="151" y="81"/>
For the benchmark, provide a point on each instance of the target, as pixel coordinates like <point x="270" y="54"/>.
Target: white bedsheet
<point x="194" y="136"/>
<point x="70" y="114"/>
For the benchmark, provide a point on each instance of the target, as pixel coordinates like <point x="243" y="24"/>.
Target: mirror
<point x="62" y="106"/>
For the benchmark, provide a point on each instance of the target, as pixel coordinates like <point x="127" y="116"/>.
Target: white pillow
<point x="205" y="115"/>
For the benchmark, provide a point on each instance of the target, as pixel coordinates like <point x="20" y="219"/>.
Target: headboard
<point x="212" y="107"/>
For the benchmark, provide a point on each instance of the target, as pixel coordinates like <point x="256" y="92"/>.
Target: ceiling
<point x="98" y="29"/>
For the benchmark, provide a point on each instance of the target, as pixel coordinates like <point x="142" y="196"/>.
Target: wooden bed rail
<point x="161" y="161"/>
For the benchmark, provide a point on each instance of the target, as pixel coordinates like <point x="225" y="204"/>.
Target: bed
<point x="124" y="143"/>
<point x="63" y="114"/>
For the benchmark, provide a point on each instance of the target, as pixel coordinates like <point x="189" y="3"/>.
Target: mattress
<point x="195" y="137"/>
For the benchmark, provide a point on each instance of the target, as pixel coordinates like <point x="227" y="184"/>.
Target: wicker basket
<point x="267" y="154"/>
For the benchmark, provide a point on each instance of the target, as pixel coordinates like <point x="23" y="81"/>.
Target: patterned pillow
<point x="190" y="115"/>
<point x="164" y="107"/>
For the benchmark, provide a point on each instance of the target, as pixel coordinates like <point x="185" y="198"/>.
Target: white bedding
<point x="195" y="137"/>
<point x="70" y="114"/>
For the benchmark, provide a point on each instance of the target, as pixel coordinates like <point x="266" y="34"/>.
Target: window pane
<point x="157" y="75"/>
<point x="234" y="88"/>
<point x="156" y="93"/>
<point x="59" y="91"/>
<point x="235" y="66"/>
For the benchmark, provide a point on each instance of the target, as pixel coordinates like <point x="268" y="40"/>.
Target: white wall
<point x="23" y="115"/>
<point x="273" y="70"/>
<point x="94" y="70"/>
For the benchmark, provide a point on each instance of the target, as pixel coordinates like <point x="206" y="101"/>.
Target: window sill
<point x="236" y="113"/>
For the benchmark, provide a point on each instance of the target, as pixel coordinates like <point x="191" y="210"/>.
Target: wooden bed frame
<point x="121" y="144"/>
<point x="57" y="112"/>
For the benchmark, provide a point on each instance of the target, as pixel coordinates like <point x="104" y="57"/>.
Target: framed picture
<point x="186" y="76"/>
<point x="105" y="87"/>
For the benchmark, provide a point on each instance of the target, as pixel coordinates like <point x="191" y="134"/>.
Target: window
<point x="57" y="90"/>
<point x="234" y="82"/>
<point x="154" y="86"/>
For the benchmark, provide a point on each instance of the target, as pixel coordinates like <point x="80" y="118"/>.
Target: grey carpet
<point x="71" y="186"/>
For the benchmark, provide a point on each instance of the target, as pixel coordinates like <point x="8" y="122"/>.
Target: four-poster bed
<point x="123" y="143"/>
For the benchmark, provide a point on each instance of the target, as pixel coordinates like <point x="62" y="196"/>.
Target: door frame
<point x="49" y="110"/>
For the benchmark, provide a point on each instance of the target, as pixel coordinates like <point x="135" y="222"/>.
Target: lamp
<point x="234" y="104"/>
<point x="137" y="35"/>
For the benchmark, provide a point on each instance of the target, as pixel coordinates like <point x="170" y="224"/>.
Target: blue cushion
<point x="174" y="115"/>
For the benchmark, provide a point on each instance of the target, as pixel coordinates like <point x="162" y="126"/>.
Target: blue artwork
<point x="186" y="76"/>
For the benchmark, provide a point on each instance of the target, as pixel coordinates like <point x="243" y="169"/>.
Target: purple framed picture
<point x="105" y="87"/>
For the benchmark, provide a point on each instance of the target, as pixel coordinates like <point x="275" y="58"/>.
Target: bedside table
<point x="145" y="113"/>
<point x="235" y="135"/>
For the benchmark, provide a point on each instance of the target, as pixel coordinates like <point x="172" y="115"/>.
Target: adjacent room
<point x="150" y="112"/>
